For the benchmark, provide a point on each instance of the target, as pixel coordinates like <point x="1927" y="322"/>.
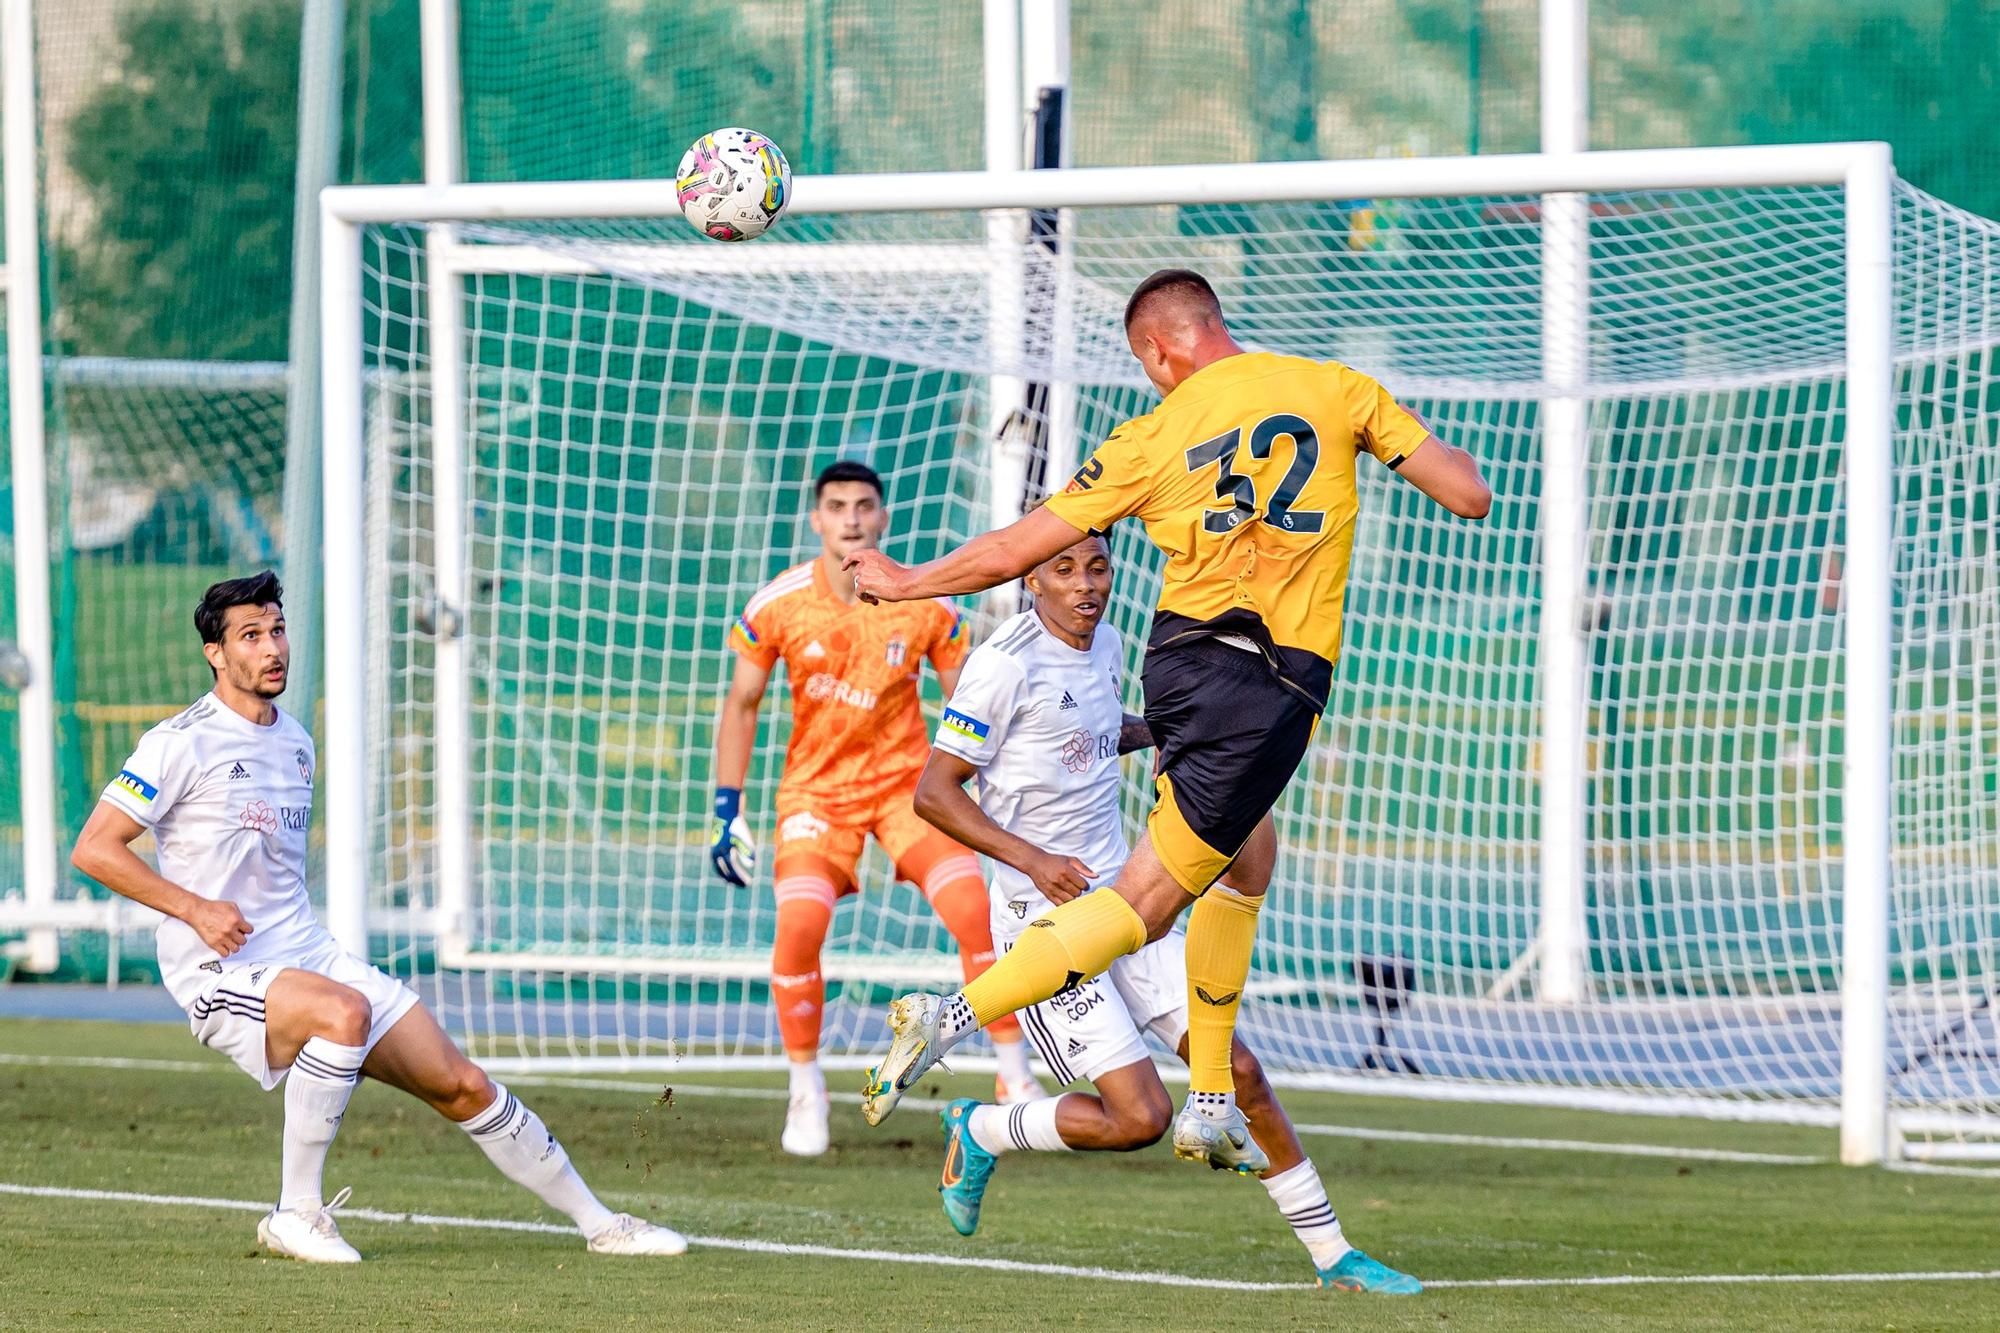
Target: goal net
<point x="588" y="441"/>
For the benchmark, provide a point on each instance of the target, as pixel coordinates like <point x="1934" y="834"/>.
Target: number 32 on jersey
<point x="1240" y="492"/>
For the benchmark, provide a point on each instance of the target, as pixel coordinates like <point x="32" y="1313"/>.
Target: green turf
<point x="708" y="1164"/>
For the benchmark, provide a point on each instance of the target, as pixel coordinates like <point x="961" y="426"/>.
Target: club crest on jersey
<point x="212" y="966"/>
<point x="896" y="652"/>
<point x="1020" y="909"/>
<point x="305" y="765"/>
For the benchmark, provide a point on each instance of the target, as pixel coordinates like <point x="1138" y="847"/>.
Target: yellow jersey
<point x="1244" y="477"/>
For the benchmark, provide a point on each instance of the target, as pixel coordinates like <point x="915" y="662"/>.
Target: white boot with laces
<point x="307" y="1233"/>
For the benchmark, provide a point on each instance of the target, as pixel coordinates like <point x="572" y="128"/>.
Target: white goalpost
<point x="1669" y="789"/>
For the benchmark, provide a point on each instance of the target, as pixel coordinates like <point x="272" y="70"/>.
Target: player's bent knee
<point x="465" y="1092"/>
<point x="343" y="1015"/>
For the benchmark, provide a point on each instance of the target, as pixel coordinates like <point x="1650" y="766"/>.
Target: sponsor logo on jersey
<point x="133" y="785"/>
<point x="959" y="724"/>
<point x="896" y="652"/>
<point x="238" y="771"/>
<point x="1067" y="702"/>
<point x="823" y="687"/>
<point x="802" y="827"/>
<point x="1079" y="750"/>
<point x="259" y="816"/>
<point x="295" y="817"/>
<point x="305" y="765"/>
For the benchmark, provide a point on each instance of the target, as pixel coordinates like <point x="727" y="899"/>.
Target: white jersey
<point x="228" y="802"/>
<point x="1041" y="721"/>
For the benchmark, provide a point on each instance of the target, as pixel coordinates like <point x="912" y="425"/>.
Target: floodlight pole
<point x="1565" y="514"/>
<point x="34" y="627"/>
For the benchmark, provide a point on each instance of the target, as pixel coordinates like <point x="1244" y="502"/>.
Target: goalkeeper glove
<point x="734" y="855"/>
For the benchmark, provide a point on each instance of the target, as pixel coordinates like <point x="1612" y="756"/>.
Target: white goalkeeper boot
<point x="805" y="1124"/>
<point x="1223" y="1142"/>
<point x="307" y="1233"/>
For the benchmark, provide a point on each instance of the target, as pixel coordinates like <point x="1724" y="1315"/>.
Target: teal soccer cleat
<point x="1355" y="1271"/>
<point x="967" y="1167"/>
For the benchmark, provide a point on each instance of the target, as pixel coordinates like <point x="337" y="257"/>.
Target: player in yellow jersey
<point x="1245" y="477"/>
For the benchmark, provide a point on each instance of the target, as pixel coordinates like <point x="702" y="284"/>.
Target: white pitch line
<point x="1711" y="1279"/>
<point x="1363" y="1132"/>
<point x="709" y="1242"/>
<point x="1008" y="1265"/>
<point x="1328" y="1131"/>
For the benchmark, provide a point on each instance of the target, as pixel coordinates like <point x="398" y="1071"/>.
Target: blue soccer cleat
<point x="1355" y="1271"/>
<point x="967" y="1167"/>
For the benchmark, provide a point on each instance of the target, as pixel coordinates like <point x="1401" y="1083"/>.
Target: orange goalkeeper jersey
<point x="857" y="722"/>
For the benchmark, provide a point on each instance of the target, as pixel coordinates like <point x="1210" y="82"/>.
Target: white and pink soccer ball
<point x="734" y="184"/>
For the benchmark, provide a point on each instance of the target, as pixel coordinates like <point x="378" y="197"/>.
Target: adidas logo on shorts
<point x="1067" y="702"/>
<point x="1075" y="1046"/>
<point x="239" y="772"/>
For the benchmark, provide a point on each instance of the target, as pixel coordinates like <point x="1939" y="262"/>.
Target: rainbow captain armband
<point x="135" y="786"/>
<point x="971" y="728"/>
<point x="742" y="635"/>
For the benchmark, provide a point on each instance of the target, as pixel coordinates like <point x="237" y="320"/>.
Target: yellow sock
<point x="1069" y="944"/>
<point x="1221" y="931"/>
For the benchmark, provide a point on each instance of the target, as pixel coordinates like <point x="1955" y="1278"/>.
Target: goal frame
<point x="1862" y="170"/>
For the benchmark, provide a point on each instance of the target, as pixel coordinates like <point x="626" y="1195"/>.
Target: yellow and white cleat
<point x="913" y="1049"/>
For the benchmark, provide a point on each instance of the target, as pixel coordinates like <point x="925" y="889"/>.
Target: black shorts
<point x="1228" y="735"/>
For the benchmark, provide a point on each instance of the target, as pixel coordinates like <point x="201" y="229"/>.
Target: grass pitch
<point x="706" y="1162"/>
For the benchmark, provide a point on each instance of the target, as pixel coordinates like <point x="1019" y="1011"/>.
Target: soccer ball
<point x="733" y="184"/>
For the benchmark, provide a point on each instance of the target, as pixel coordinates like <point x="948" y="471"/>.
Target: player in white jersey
<point x="1038" y="720"/>
<point x="225" y="788"/>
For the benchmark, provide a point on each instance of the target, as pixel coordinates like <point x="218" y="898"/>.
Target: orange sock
<point x="798" y="992"/>
<point x="958" y="895"/>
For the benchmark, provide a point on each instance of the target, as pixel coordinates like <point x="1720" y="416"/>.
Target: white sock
<point x="521" y="1146"/>
<point x="807" y="1080"/>
<point x="956" y="1022"/>
<point x="1213" y="1105"/>
<point x="1013" y="1056"/>
<point x="1023" y="1127"/>
<point x="1302" y="1199"/>
<point x="316" y="1092"/>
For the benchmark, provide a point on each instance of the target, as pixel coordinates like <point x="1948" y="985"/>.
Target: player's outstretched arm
<point x="942" y="800"/>
<point x="1449" y="476"/>
<point x="734" y="853"/>
<point x="987" y="561"/>
<point x="104" y="852"/>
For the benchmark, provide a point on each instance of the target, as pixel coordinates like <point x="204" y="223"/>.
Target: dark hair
<point x="1184" y="280"/>
<point x="848" y="470"/>
<point x="250" y="590"/>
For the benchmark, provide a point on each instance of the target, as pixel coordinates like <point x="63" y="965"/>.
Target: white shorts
<point x="225" y="1007"/>
<point x="1088" y="1032"/>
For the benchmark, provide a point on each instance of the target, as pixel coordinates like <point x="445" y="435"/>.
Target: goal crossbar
<point x="1861" y="170"/>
